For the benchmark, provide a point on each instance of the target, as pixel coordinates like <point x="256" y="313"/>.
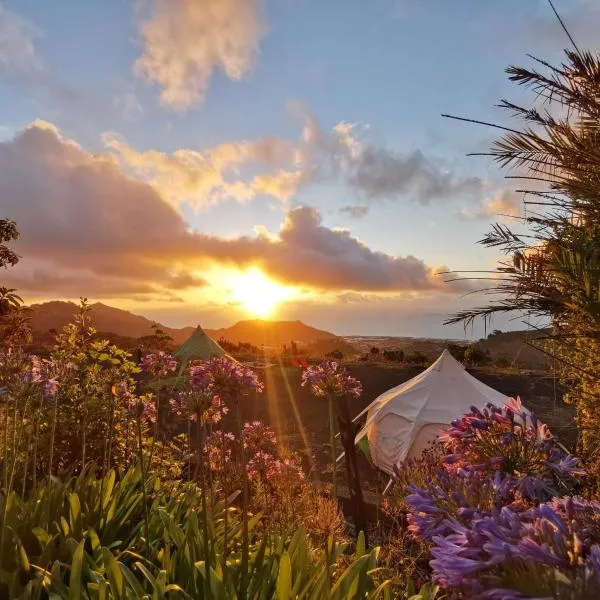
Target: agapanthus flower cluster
<point x="448" y="496"/>
<point x="329" y="378"/>
<point x="225" y="378"/>
<point x="138" y="407"/>
<point x="511" y="441"/>
<point x="492" y="540"/>
<point x="258" y="437"/>
<point x="266" y="469"/>
<point x="550" y="551"/>
<point x="190" y="404"/>
<point x="219" y="448"/>
<point x="43" y="373"/>
<point x="159" y="364"/>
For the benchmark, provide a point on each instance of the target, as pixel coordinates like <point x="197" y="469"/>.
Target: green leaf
<point x="109" y="484"/>
<point x="284" y="578"/>
<point x="115" y="577"/>
<point x="23" y="559"/>
<point x="361" y="548"/>
<point x="75" y="513"/>
<point x="75" y="585"/>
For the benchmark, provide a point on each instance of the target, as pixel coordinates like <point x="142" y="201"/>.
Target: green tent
<point x="198" y="346"/>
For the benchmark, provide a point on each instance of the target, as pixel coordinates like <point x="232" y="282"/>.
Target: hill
<point x="110" y="320"/>
<point x="271" y="333"/>
<point x="514" y="348"/>
<point x="56" y="314"/>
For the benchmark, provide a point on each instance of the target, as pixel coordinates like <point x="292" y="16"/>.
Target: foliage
<point x="8" y="233"/>
<point x="158" y="340"/>
<point x="84" y="538"/>
<point x="394" y="355"/>
<point x="553" y="269"/>
<point x="476" y="356"/>
<point x="241" y="348"/>
<point x="416" y="358"/>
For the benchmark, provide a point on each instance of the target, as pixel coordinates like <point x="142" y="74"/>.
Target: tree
<point x="416" y="358"/>
<point x="14" y="320"/>
<point x="8" y="233"/>
<point x="9" y="300"/>
<point x="476" y="356"/>
<point x="157" y="340"/>
<point x="457" y="351"/>
<point x="553" y="270"/>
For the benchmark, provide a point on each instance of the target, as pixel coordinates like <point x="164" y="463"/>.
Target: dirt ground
<point x="301" y="421"/>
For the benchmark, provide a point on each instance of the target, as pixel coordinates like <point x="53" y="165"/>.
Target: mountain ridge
<point x="55" y="314"/>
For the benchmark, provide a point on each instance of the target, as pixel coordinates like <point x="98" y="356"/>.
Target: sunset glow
<point x="258" y="295"/>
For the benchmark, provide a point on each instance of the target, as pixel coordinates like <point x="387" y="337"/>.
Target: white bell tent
<point x="403" y="421"/>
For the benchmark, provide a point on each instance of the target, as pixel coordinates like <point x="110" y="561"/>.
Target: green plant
<point x="8" y="233"/>
<point x="94" y="546"/>
<point x="552" y="269"/>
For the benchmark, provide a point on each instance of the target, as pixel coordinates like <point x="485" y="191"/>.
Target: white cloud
<point x="280" y="167"/>
<point x="207" y="176"/>
<point x="17" y="50"/>
<point x="503" y="203"/>
<point x="185" y="41"/>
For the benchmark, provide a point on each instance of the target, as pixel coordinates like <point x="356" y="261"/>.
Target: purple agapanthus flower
<point x="513" y="442"/>
<point x="42" y="373"/>
<point x="225" y="378"/>
<point x="159" y="364"/>
<point x="330" y="378"/>
<point x="258" y="437"/>
<point x="483" y="558"/>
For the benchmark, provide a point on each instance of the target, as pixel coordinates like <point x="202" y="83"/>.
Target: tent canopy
<point x="403" y="421"/>
<point x="199" y="346"/>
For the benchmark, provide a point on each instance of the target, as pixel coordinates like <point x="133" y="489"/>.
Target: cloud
<point x="281" y="167"/>
<point x="204" y="177"/>
<point x="378" y="173"/>
<point x="185" y="41"/>
<point x="17" y="50"/>
<point x="78" y="210"/>
<point x="504" y="203"/>
<point x="86" y="223"/>
<point x="581" y="18"/>
<point x="354" y="211"/>
<point x="307" y="252"/>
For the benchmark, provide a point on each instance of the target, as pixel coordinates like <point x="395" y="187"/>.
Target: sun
<point x="257" y="294"/>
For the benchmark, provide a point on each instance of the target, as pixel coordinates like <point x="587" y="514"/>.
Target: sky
<point x="205" y="161"/>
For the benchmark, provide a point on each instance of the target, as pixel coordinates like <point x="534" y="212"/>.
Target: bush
<point x="475" y="355"/>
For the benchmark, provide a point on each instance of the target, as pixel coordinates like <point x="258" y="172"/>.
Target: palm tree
<point x="553" y="270"/>
<point x="9" y="300"/>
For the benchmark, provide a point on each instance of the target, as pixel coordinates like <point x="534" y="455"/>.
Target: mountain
<point x="271" y="333"/>
<point x="108" y="319"/>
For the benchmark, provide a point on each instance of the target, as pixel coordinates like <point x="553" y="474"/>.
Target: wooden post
<point x="347" y="432"/>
